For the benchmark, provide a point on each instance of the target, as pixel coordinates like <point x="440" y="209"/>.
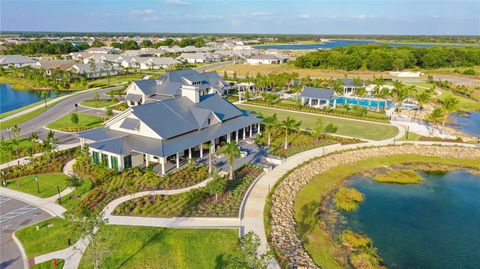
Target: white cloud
<point x="261" y="14"/>
<point x="144" y="15"/>
<point x="304" y="16"/>
<point x="177" y="2"/>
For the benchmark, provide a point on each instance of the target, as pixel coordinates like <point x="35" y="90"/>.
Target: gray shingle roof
<point x="317" y="93"/>
<point x="15" y="59"/>
<point x="130" y="124"/>
<point x="348" y="82"/>
<point x="133" y="97"/>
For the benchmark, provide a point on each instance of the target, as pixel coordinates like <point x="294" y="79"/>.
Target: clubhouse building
<point x="169" y="124"/>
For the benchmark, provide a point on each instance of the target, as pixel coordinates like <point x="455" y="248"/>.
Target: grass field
<point x="358" y="129"/>
<point x="98" y="104"/>
<point x="315" y="240"/>
<point x="147" y="247"/>
<point x="49" y="265"/>
<point x="85" y="121"/>
<point x="53" y="235"/>
<point x="48" y="184"/>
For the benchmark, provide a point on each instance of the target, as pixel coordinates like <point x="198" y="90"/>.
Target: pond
<point x="11" y="99"/>
<point x="435" y="224"/>
<point x="468" y="123"/>
<point x="342" y="43"/>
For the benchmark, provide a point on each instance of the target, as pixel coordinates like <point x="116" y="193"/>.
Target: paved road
<point x="63" y="107"/>
<point x="14" y="215"/>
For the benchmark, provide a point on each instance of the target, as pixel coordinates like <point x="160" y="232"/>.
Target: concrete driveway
<point x="15" y="215"/>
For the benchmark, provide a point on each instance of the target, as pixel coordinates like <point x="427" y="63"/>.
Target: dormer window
<point x="209" y="121"/>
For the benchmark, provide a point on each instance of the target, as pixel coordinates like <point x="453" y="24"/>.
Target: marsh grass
<point x="347" y="199"/>
<point x="399" y="177"/>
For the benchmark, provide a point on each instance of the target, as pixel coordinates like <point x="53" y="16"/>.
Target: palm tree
<point x="317" y="131"/>
<point x="208" y="146"/>
<point x="449" y="105"/>
<point x="269" y="123"/>
<point x="44" y="95"/>
<point x="289" y="124"/>
<point x="338" y="87"/>
<point x="421" y="98"/>
<point x="436" y="116"/>
<point x="231" y="151"/>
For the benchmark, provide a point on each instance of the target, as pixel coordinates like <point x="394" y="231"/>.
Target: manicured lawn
<point x="85" y="121"/>
<point x="315" y="240"/>
<point x="48" y="184"/>
<point x="48" y="265"/>
<point x="122" y="106"/>
<point x="97" y="104"/>
<point x="147" y="247"/>
<point x="363" y="130"/>
<point x="23" y="118"/>
<point x="8" y="150"/>
<point x="53" y="235"/>
<point x="114" y="80"/>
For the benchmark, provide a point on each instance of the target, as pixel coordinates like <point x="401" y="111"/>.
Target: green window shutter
<point x="127" y="161"/>
<point x="114" y="162"/>
<point x="105" y="160"/>
<point x="96" y="157"/>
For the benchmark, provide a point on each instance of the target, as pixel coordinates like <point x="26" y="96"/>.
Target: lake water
<point x="11" y="99"/>
<point x="342" y="43"/>
<point x="468" y="123"/>
<point x="432" y="225"/>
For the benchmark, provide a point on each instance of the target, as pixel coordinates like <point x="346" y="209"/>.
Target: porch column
<point x="259" y="130"/>
<point x="162" y="164"/>
<point x="201" y="150"/>
<point x="244" y="132"/>
<point x="146" y="160"/>
<point x="310" y="101"/>
<point x="303" y="101"/>
<point x="229" y="136"/>
<point x="190" y="153"/>
<point x="328" y="103"/>
<point x="334" y="103"/>
<point x="178" y="159"/>
<point x="212" y="149"/>
<point x="251" y="130"/>
<point x="236" y="133"/>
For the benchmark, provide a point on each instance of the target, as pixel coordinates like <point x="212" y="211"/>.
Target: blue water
<point x="434" y="225"/>
<point x="469" y="124"/>
<point x="368" y="103"/>
<point x="342" y="43"/>
<point x="11" y="99"/>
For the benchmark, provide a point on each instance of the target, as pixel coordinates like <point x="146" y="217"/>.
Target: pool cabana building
<point x="318" y="97"/>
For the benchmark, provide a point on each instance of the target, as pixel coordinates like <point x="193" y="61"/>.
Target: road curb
<point x="22" y="250"/>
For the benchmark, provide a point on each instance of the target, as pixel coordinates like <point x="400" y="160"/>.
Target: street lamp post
<point x="38" y="186"/>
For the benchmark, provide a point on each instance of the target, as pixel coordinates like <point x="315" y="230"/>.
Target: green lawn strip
<point x="98" y="104"/>
<point x="113" y="80"/>
<point x="122" y="106"/>
<point x="53" y="235"/>
<point x="359" y="129"/>
<point x="25" y="117"/>
<point x="8" y="150"/>
<point x="411" y="137"/>
<point x="47" y="182"/>
<point x="315" y="240"/>
<point x="48" y="265"/>
<point x="85" y="121"/>
<point x="148" y="247"/>
<point x="74" y="198"/>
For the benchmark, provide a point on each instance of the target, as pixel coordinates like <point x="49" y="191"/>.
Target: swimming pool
<point x="363" y="102"/>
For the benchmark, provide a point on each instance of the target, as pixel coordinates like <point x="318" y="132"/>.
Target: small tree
<point x="109" y="112"/>
<point x="330" y="128"/>
<point x="289" y="124"/>
<point x="96" y="96"/>
<point x="269" y="123"/>
<point x="231" y="151"/>
<point x="245" y="256"/>
<point x="449" y="105"/>
<point x="216" y="186"/>
<point x="44" y="95"/>
<point x="436" y="116"/>
<point x="208" y="146"/>
<point x="74" y="118"/>
<point x="317" y="131"/>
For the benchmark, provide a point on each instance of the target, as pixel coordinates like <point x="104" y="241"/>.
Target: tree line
<point x="385" y="58"/>
<point x="44" y="47"/>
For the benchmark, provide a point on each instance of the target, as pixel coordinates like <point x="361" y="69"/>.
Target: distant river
<point x="11" y="99"/>
<point x="434" y="225"/>
<point x="468" y="123"/>
<point x="342" y="43"/>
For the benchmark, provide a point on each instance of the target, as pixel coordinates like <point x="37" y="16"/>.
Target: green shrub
<point x="347" y="199"/>
<point x="470" y="72"/>
<point x="399" y="177"/>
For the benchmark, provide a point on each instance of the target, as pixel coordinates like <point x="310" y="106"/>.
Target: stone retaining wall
<point x="283" y="234"/>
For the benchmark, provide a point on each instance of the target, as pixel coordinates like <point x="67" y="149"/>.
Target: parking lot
<point x="14" y="215"/>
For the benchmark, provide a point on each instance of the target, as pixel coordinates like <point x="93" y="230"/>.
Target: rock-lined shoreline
<point x="283" y="234"/>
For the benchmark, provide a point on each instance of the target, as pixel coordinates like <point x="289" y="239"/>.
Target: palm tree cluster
<point x="288" y="125"/>
<point x="55" y="80"/>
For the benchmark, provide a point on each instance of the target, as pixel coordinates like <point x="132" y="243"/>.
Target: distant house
<point x="317" y="97"/>
<point x="16" y="61"/>
<point x="371" y="88"/>
<point x="199" y="57"/>
<point x="101" y="50"/>
<point x="158" y="63"/>
<point x="50" y="65"/>
<point x="349" y="85"/>
<point x="267" y="59"/>
<point x="101" y="58"/>
<point x="99" y="70"/>
<point x="171" y="84"/>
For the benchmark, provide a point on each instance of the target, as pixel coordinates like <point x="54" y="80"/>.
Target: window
<point x="209" y="121"/>
<point x="104" y="159"/>
<point x="114" y="162"/>
<point x="127" y="161"/>
<point x="96" y="157"/>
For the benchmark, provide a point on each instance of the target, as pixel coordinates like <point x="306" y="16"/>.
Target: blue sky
<point x="266" y="16"/>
